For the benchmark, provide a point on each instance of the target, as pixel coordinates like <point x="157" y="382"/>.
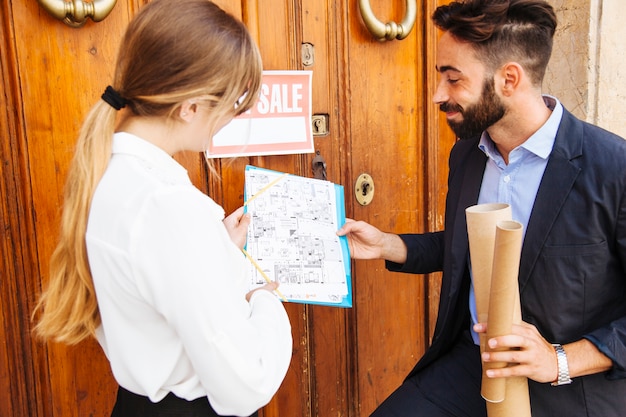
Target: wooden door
<point x="381" y="122"/>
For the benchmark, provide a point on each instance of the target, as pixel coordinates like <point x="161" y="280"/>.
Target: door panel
<point x="386" y="124"/>
<point x="61" y="72"/>
<point x="376" y="94"/>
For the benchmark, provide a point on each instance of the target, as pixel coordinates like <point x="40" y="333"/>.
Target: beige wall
<point x="588" y="67"/>
<point x="611" y="80"/>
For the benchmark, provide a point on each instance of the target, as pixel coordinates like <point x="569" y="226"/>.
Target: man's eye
<point x="451" y="81"/>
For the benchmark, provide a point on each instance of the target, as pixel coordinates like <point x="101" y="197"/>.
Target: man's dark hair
<point x="503" y="30"/>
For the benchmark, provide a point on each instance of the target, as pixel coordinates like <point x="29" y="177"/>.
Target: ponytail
<point x="68" y="307"/>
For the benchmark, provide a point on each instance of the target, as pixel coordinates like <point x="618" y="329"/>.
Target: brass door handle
<point x="74" y="13"/>
<point x="392" y="30"/>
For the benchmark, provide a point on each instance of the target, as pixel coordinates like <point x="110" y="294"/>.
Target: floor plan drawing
<point x="292" y="237"/>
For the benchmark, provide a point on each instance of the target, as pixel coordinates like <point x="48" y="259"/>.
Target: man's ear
<point x="510" y="76"/>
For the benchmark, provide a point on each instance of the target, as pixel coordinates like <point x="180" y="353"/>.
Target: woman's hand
<point x="270" y="286"/>
<point x="237" y="226"/>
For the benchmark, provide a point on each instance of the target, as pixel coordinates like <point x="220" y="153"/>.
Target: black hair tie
<point x="113" y="98"/>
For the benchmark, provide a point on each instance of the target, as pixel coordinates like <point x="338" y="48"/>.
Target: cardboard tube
<point x="516" y="400"/>
<point x="481" y="232"/>
<point x="481" y="227"/>
<point x="504" y="289"/>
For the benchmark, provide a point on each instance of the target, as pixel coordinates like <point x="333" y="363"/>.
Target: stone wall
<point x="587" y="71"/>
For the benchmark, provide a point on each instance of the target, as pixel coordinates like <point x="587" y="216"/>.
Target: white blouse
<point x="171" y="289"/>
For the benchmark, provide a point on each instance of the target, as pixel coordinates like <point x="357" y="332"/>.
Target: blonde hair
<point x="171" y="52"/>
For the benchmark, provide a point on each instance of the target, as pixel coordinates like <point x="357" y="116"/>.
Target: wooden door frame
<point x="25" y="380"/>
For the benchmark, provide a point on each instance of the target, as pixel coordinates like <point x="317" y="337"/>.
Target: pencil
<point x="258" y="268"/>
<point x="268" y="186"/>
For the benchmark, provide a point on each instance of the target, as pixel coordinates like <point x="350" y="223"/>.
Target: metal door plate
<point x="364" y="189"/>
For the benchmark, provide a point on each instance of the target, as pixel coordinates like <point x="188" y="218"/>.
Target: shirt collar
<point x="129" y="144"/>
<point x="542" y="141"/>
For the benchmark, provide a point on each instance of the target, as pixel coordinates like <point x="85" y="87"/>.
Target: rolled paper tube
<point x="516" y="402"/>
<point x="502" y="294"/>
<point x="481" y="232"/>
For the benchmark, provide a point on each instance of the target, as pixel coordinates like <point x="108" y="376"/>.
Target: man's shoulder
<point x="577" y="137"/>
<point x="463" y="150"/>
<point x="465" y="145"/>
<point x="570" y="121"/>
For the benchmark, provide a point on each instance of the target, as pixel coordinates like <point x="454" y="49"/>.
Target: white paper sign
<point x="279" y="123"/>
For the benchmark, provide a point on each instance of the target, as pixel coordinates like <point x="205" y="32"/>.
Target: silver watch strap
<point x="563" y="367"/>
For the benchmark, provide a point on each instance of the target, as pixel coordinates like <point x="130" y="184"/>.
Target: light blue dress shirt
<point x="516" y="184"/>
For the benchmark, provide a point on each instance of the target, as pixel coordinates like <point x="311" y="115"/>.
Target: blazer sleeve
<point x="573" y="265"/>
<point x="424" y="254"/>
<point x="611" y="339"/>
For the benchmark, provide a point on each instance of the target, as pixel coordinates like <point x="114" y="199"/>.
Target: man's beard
<point x="479" y="116"/>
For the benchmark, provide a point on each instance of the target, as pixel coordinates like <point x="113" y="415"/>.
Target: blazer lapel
<point x="559" y="177"/>
<point x="472" y="178"/>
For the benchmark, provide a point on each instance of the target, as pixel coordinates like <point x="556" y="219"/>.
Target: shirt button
<point x="507" y="179"/>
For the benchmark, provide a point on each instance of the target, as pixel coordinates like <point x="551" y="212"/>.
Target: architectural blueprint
<point x="292" y="237"/>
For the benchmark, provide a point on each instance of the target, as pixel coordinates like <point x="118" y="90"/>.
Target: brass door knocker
<point x="75" y="13"/>
<point x="392" y="30"/>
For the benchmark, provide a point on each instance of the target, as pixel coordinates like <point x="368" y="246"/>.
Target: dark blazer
<point x="572" y="274"/>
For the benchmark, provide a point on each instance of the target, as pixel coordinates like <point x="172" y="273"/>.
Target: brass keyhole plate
<point x="364" y="189"/>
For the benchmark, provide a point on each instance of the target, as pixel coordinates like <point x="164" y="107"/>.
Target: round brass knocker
<point x="392" y="30"/>
<point x="75" y="13"/>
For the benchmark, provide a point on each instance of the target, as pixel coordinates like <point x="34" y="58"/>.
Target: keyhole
<point x="318" y="125"/>
<point x="318" y="164"/>
<point x="308" y="54"/>
<point x="365" y="187"/>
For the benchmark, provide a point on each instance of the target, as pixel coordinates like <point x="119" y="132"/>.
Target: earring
<point x="184" y="114"/>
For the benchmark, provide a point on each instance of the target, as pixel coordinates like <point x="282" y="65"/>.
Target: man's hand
<point x="526" y="351"/>
<point x="530" y="355"/>
<point x="367" y="242"/>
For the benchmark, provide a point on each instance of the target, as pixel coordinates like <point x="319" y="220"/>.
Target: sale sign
<point x="279" y="123"/>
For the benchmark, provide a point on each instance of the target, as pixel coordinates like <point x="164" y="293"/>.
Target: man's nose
<point x="441" y="94"/>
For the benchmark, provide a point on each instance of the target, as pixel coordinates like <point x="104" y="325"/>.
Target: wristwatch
<point x="561" y="361"/>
